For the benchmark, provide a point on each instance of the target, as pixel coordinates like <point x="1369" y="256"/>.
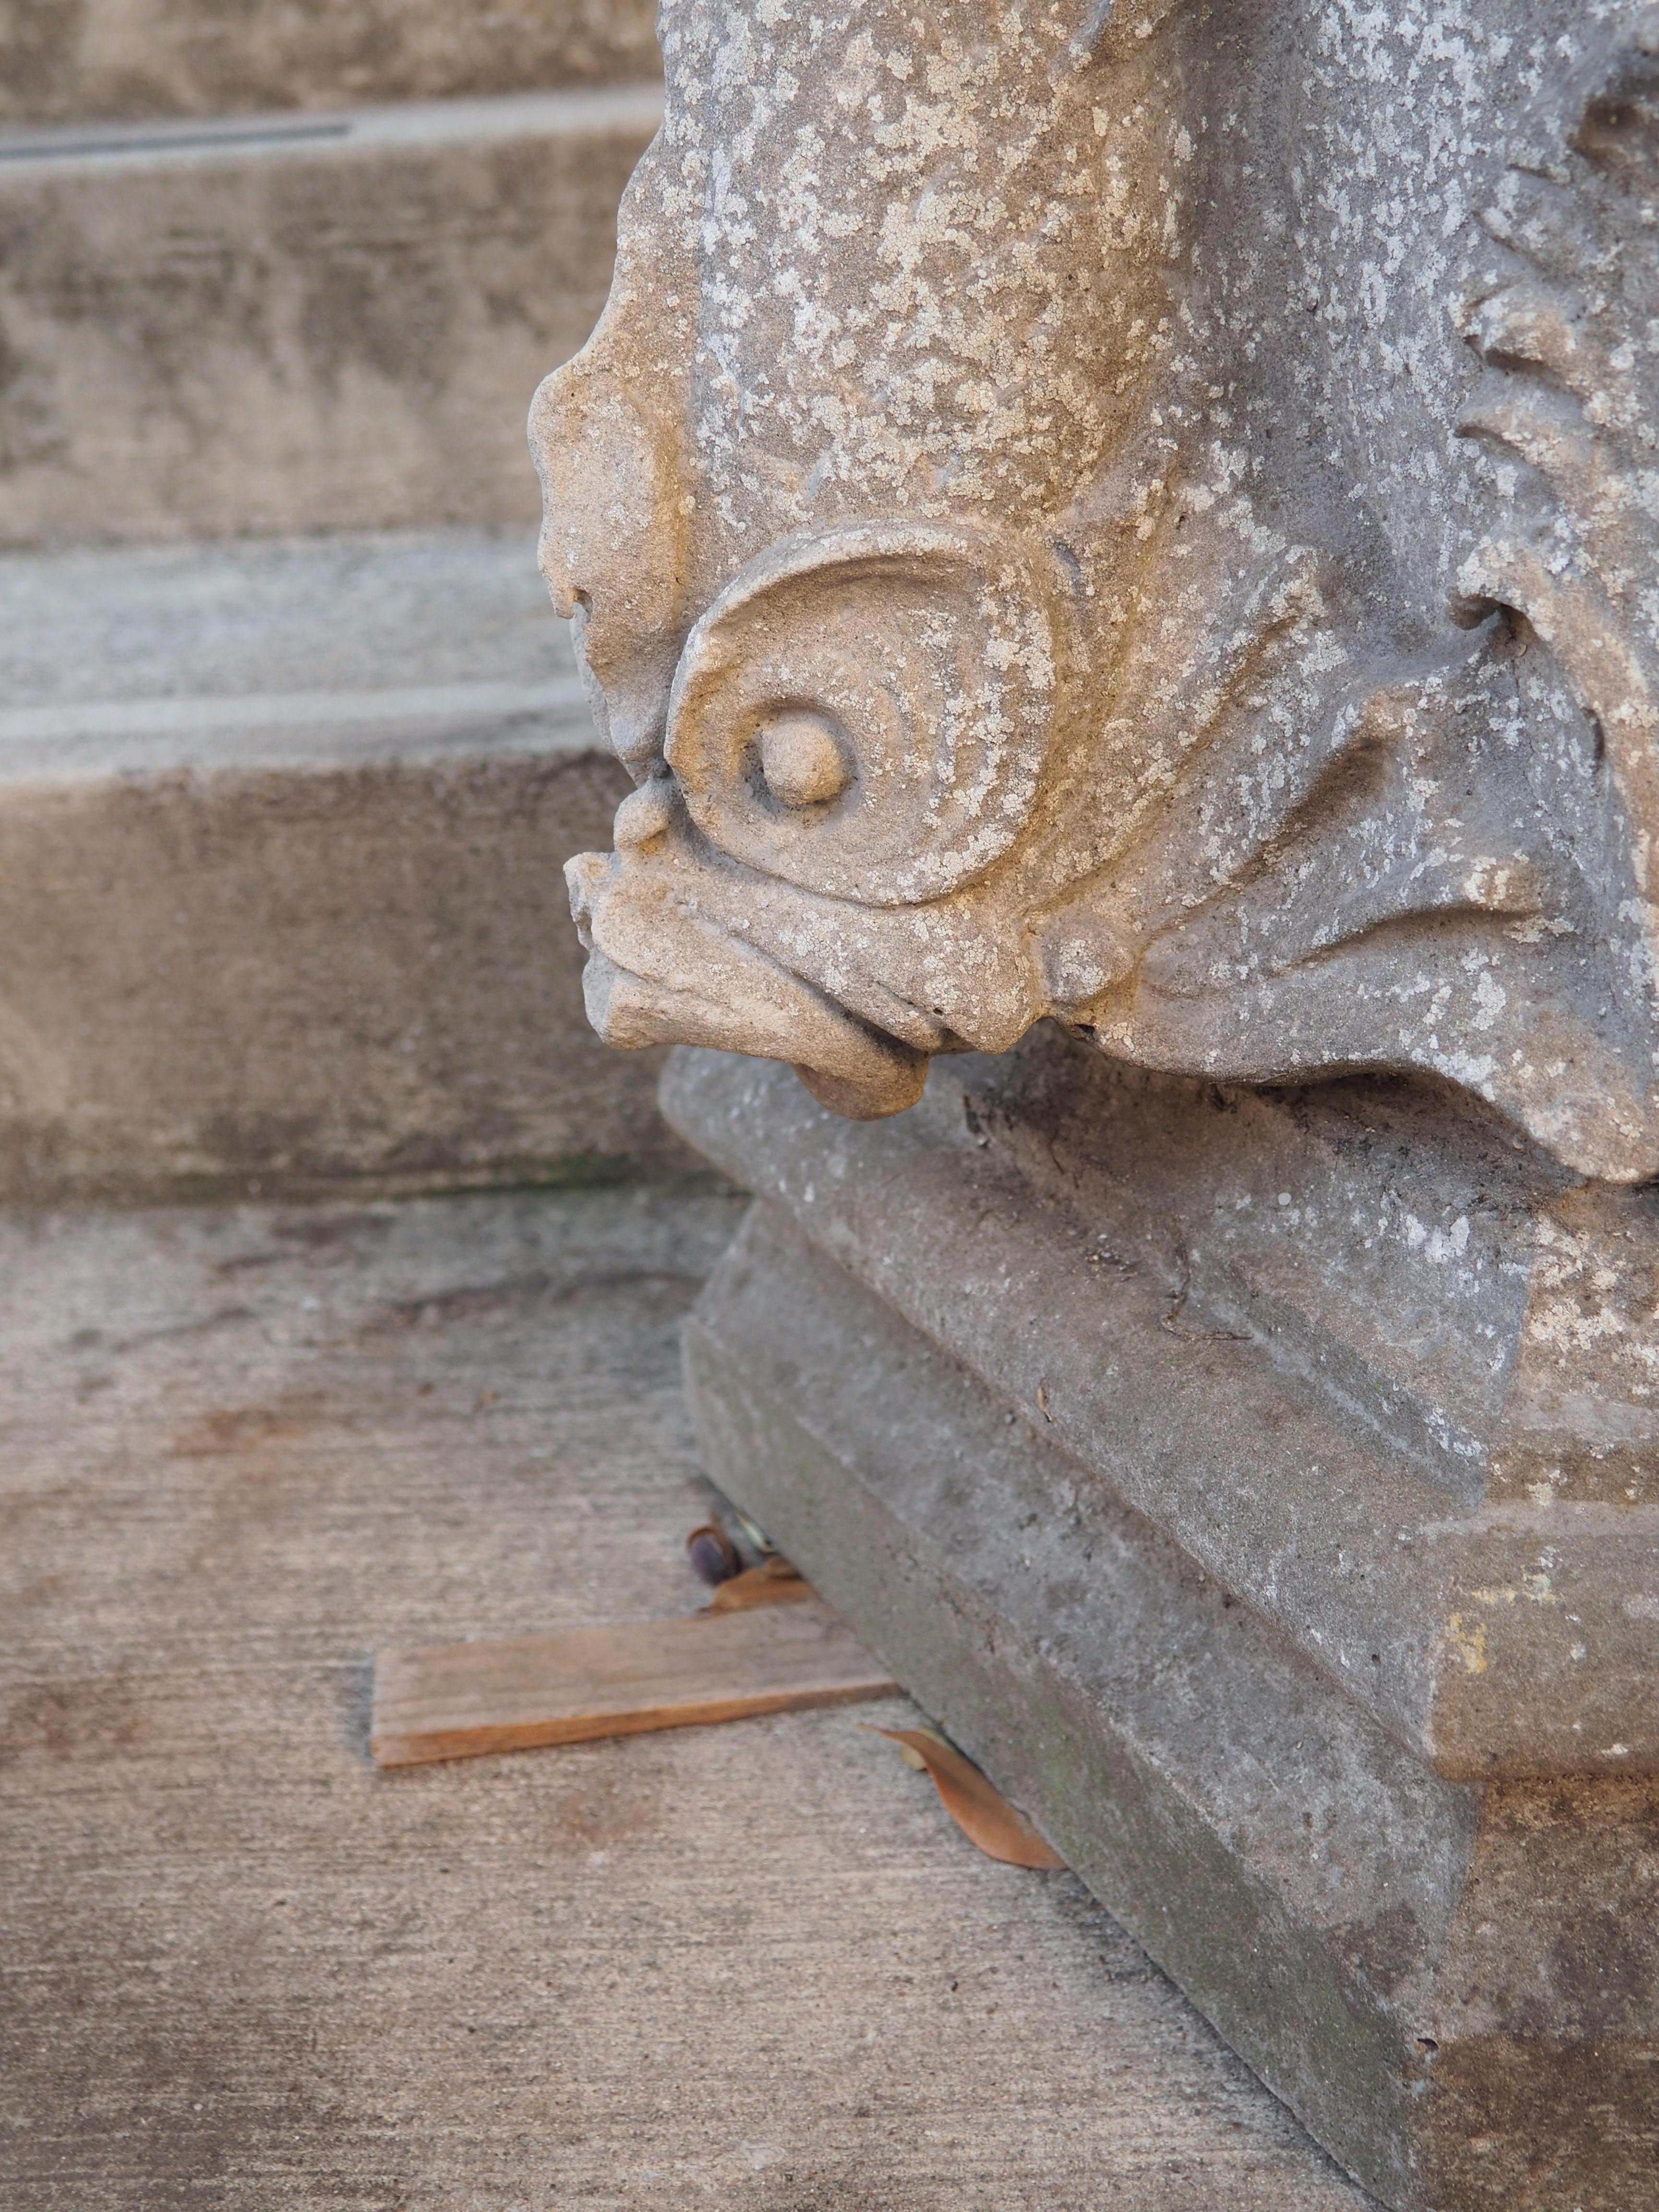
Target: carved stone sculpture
<point x="1146" y="512"/>
<point x="1143" y="516"/>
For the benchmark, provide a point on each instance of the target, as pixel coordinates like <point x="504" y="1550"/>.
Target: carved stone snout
<point x="863" y="714"/>
<point x="612" y="542"/>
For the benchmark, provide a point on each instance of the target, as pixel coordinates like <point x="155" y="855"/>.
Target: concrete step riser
<point x="297" y="981"/>
<point x="282" y="833"/>
<point x="304" y="332"/>
<point x="111" y="59"/>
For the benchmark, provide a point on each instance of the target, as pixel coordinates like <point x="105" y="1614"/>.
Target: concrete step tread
<point x="299" y="651"/>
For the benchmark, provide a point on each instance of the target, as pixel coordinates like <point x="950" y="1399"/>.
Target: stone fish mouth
<point x="777" y="750"/>
<point x="658" y="973"/>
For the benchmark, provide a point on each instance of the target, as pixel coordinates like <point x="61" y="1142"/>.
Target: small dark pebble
<point x="713" y="1558"/>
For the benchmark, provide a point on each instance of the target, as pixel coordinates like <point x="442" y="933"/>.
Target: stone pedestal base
<point x="1322" y="1649"/>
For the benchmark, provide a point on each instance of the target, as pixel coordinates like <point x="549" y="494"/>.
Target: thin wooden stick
<point x="455" y="1701"/>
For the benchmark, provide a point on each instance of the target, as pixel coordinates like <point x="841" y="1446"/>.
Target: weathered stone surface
<point x="753" y="1966"/>
<point x="281" y="828"/>
<point x="1145" y="518"/>
<point x="1452" y="1985"/>
<point x="79" y="61"/>
<point x="1110" y="1252"/>
<point x="1191" y="479"/>
<point x="1363" y="1749"/>
<point x="327" y="323"/>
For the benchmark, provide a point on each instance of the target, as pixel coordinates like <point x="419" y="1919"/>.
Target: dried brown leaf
<point x="983" y="1813"/>
<point x="775" y="1582"/>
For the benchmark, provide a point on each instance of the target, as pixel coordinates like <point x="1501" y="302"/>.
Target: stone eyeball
<point x="905" y="670"/>
<point x="803" y="762"/>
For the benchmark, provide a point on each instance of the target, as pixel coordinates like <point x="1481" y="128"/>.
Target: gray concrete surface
<point x="281" y="653"/>
<point x="298" y="323"/>
<point x="74" y="61"/>
<point x="753" y="1964"/>
<point x="282" y="828"/>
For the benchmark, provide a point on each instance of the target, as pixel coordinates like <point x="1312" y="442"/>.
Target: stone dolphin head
<point x="1039" y="551"/>
<point x="882" y="306"/>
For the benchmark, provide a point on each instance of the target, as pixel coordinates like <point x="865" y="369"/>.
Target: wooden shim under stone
<point x="455" y="1701"/>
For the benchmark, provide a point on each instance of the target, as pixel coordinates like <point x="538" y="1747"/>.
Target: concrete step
<point x="286" y="323"/>
<point x="113" y="60"/>
<point x="281" y="834"/>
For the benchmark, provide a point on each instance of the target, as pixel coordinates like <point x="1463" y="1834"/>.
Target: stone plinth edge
<point x="1449" y="1977"/>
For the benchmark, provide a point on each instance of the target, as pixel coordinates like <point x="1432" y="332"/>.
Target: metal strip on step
<point x="410" y="124"/>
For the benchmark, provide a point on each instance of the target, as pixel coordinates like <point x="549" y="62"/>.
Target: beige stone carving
<point x="1141" y="515"/>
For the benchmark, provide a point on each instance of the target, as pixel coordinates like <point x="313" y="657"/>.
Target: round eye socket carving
<point x="867" y="713"/>
<point x="803" y="757"/>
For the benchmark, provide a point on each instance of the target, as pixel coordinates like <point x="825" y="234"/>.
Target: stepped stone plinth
<point x="1308" y="1609"/>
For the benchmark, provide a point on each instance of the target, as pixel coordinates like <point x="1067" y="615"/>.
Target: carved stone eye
<point x="801" y="758"/>
<point x="866" y="713"/>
